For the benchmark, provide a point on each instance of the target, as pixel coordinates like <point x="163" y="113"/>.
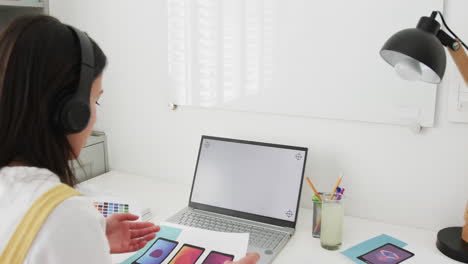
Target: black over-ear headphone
<point x="74" y="111"/>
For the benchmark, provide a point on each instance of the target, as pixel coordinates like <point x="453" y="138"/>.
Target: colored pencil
<point x="313" y="188"/>
<point x="336" y="186"/>
<point x="338" y="182"/>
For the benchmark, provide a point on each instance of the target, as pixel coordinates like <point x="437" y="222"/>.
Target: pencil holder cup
<point x="316" y="216"/>
<point x="331" y="233"/>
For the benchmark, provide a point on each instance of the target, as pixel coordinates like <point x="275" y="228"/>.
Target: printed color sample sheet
<point x="177" y="244"/>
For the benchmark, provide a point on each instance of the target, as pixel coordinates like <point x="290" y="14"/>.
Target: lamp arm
<point x="455" y="47"/>
<point x="465" y="227"/>
<point x="433" y="15"/>
<point x="448" y="41"/>
<point x="461" y="60"/>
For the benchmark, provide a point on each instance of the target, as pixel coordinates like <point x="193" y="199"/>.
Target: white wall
<point x="391" y="174"/>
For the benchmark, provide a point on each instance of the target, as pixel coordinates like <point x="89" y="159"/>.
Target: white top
<point x="62" y="238"/>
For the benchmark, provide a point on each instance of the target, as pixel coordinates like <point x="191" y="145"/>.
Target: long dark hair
<point x="39" y="64"/>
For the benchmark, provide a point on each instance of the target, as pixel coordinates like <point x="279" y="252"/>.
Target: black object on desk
<point x="450" y="243"/>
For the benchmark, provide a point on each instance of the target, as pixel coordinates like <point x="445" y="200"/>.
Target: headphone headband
<point x="74" y="111"/>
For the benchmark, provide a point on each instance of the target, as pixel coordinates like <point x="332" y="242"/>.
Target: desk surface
<point x="165" y="198"/>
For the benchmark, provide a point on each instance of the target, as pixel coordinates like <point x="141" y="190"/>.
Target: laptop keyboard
<point x="259" y="237"/>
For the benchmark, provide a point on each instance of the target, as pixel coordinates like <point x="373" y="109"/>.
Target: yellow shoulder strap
<point x="17" y="248"/>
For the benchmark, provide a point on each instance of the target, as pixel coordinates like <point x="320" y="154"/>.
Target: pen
<point x="341" y="193"/>
<point x="338" y="191"/>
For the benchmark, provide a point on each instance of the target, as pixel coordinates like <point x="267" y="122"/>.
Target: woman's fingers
<point x="140" y="225"/>
<point x="137" y="246"/>
<point x="124" y="217"/>
<point x="250" y="258"/>
<point x="136" y="233"/>
<point x="144" y="239"/>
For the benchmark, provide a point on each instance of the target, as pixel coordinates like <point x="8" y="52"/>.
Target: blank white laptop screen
<point x="255" y="179"/>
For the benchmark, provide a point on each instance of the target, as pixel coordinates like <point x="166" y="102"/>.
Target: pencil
<point x="318" y="224"/>
<point x="313" y="188"/>
<point x="331" y="197"/>
<point x="336" y="186"/>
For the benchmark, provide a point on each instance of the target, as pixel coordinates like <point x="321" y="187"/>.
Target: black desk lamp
<point x="418" y="54"/>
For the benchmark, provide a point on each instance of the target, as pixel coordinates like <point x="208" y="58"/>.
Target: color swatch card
<point x="108" y="205"/>
<point x="108" y="208"/>
<point x="176" y="244"/>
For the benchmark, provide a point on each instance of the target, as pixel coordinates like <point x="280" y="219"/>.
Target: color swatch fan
<point x="108" y="208"/>
<point x="108" y="205"/>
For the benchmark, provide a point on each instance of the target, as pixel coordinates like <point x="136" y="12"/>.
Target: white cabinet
<point x="10" y="9"/>
<point x="93" y="159"/>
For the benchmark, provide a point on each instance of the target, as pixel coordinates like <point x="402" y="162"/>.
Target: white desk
<point x="165" y="198"/>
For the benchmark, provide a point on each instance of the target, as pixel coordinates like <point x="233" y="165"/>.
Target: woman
<point x="40" y="66"/>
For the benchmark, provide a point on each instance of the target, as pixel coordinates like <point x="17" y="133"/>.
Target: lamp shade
<point x="417" y="53"/>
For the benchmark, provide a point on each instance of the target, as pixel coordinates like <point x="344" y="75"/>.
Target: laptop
<point x="246" y="187"/>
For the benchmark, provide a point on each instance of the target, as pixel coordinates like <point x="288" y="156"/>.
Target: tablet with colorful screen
<point x="216" y="257"/>
<point x="386" y="254"/>
<point x="158" y="252"/>
<point x="188" y="254"/>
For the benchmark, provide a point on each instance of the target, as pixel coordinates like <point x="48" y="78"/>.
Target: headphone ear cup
<point x="74" y="116"/>
<point x="74" y="111"/>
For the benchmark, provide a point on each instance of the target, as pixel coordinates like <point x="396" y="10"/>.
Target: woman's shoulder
<point x="78" y="208"/>
<point x="75" y="232"/>
<point x="25" y="184"/>
<point x="20" y="187"/>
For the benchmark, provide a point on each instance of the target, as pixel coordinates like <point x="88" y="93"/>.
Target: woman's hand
<point x="127" y="236"/>
<point x="251" y="258"/>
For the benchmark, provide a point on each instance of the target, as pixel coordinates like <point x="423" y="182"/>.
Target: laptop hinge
<point x="288" y="230"/>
